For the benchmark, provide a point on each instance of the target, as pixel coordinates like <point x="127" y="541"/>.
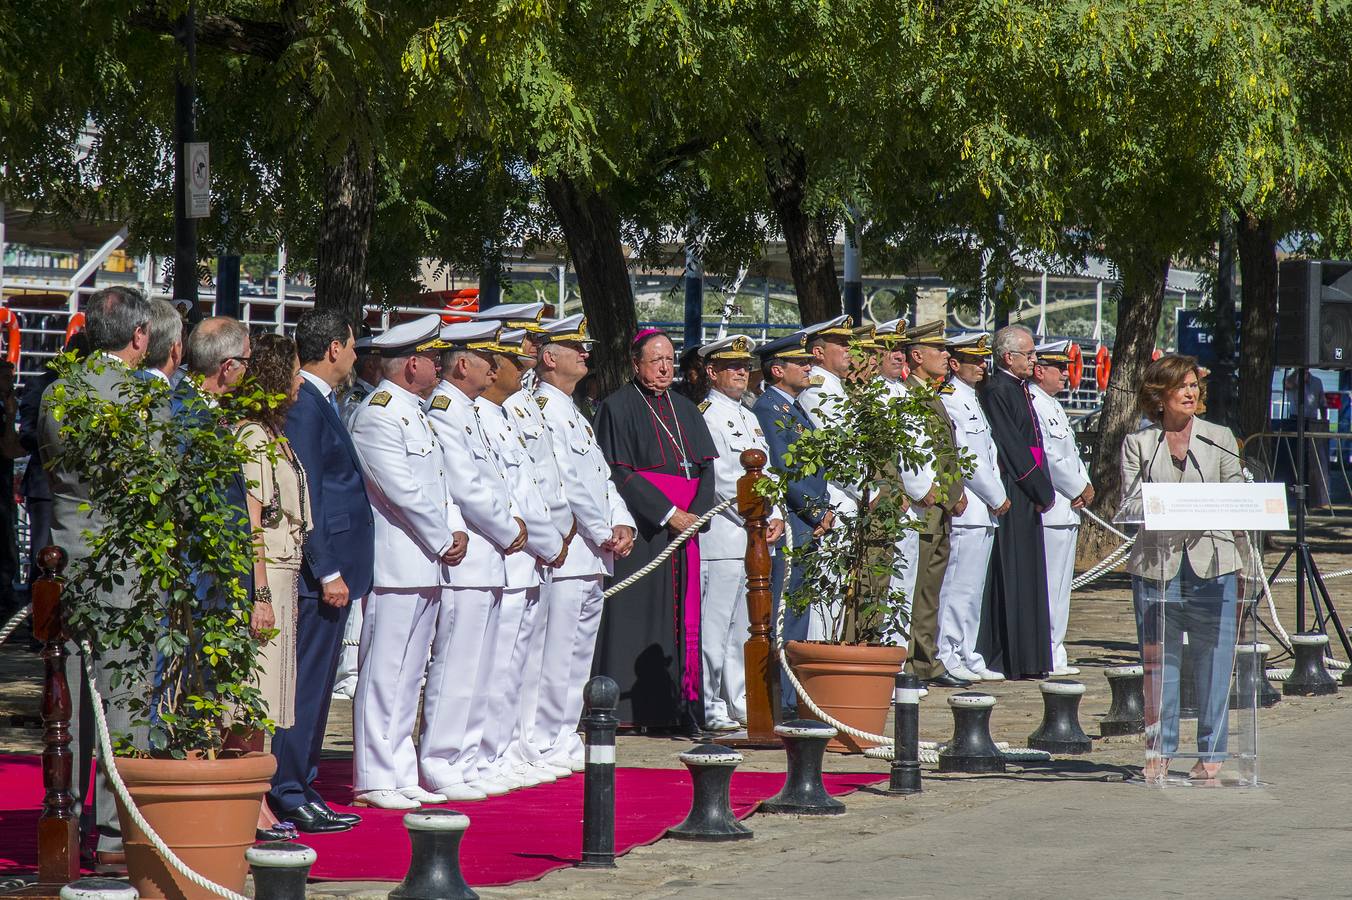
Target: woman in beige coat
<point x="1183" y="581"/>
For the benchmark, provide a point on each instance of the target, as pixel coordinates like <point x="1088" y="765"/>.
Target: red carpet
<point x="519" y="837"/>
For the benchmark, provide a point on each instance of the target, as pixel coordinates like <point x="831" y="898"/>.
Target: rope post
<point x="804" y="793"/>
<point x="710" y="817"/>
<point x="1126" y="712"/>
<point x="59" y="824"/>
<point x="762" y="673"/>
<point x="434" y="870"/>
<point x="598" y="786"/>
<point x="98" y="888"/>
<point x="906" y="735"/>
<point x="1309" y="678"/>
<point x="1251" y="687"/>
<point x="279" y="869"/>
<point x="1060" y="730"/>
<point x="971" y="750"/>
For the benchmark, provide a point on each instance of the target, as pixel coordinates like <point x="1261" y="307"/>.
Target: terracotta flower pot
<point x="852" y="683"/>
<point x="205" y="810"/>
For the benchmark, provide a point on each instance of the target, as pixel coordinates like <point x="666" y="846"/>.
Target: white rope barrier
<point x="14" y="623"/>
<point x="105" y="748"/>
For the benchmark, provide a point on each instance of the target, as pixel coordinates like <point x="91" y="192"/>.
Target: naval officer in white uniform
<point x="1070" y="481"/>
<point x="467" y="623"/>
<point x="602" y="529"/>
<point x="724" y="620"/>
<point x="973" y="533"/>
<point x="892" y="370"/>
<point x="505" y="685"/>
<point x="419" y="534"/>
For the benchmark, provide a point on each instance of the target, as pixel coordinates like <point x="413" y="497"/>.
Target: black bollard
<point x="598" y="787"/>
<point x="711" y="817"/>
<point x="971" y="750"/>
<point x="434" y="870"/>
<point x="1187" y="683"/>
<point x="803" y="793"/>
<point x="98" y="889"/>
<point x="1308" y="677"/>
<point x="905" y="735"/>
<point x="279" y="869"/>
<point x="1126" y="712"/>
<point x="1060" y="730"/>
<point x="1251" y="678"/>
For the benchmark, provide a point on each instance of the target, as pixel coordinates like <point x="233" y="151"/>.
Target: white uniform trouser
<point x="498" y="698"/>
<point x="724" y="627"/>
<point x="570" y="643"/>
<point x="345" y="680"/>
<point x="462" y="655"/>
<point x="898" y="634"/>
<point x="1058" y="543"/>
<point x="528" y="658"/>
<point x="960" y="596"/>
<point x="396" y="640"/>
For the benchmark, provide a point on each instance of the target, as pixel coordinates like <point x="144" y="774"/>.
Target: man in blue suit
<point x="785" y="363"/>
<point x="336" y="572"/>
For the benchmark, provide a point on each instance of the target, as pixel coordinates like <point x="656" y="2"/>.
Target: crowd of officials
<point x="446" y="500"/>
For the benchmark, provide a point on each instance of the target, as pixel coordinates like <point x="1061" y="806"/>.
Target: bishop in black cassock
<point x="661" y="456"/>
<point x="1015" y="636"/>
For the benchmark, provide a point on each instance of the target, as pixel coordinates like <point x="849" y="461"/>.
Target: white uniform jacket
<point x="972" y="432"/>
<point x="823" y="401"/>
<point x="916" y="481"/>
<point x="1067" y="471"/>
<point x="543" y="540"/>
<point x="596" y="504"/>
<point x="734" y="429"/>
<point x="530" y="424"/>
<point x="415" y="519"/>
<point x="477" y="485"/>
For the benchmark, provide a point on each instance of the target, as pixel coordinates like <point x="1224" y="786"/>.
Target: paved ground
<point x="1073" y="828"/>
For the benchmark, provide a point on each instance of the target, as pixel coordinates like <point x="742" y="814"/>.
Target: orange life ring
<point x="10" y="319"/>
<point x="76" y="324"/>
<point x="460" y="301"/>
<point x="1103" y="367"/>
<point x="1075" y="368"/>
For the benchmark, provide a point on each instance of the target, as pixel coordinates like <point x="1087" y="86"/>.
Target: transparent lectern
<point x="1194" y="594"/>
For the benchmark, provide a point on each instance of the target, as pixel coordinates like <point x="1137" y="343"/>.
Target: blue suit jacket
<point x="343" y="539"/>
<point x="782" y="421"/>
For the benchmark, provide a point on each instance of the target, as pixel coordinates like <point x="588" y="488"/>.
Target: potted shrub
<point x="173" y="543"/>
<point x="847" y="572"/>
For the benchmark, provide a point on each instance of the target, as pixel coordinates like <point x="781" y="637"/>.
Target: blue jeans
<point x="1206" y="610"/>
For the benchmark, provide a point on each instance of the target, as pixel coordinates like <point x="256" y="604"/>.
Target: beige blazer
<point x="1145" y="457"/>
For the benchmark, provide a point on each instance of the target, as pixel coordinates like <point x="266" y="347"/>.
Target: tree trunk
<point x="1258" y="315"/>
<point x="1138" y="316"/>
<point x="1221" y="402"/>
<point x="592" y="230"/>
<point x="345" y="234"/>
<point x="809" y="237"/>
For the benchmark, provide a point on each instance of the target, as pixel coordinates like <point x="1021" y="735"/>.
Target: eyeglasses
<point x="242" y="360"/>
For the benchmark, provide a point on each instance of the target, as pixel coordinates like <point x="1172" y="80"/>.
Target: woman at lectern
<point x="1183" y="582"/>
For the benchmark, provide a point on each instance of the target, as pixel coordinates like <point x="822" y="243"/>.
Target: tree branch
<point x="249" y="37"/>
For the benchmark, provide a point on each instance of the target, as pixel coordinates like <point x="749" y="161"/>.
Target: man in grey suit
<point x="117" y="325"/>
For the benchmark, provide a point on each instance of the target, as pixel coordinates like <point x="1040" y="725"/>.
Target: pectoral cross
<point x="686" y="466"/>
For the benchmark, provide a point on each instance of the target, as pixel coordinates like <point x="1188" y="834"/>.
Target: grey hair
<point x="113" y="315"/>
<point x="166" y="329"/>
<point x="392" y="367"/>
<point x="1006" y="341"/>
<point x="212" y="342"/>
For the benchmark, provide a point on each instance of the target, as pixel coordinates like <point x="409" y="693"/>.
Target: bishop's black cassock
<point x="1016" y="628"/>
<point x="660" y="453"/>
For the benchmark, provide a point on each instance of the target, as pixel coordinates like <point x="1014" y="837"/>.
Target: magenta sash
<point x="681" y="492"/>
<point x="1037" y="456"/>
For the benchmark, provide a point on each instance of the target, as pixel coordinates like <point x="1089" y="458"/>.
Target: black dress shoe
<point x="323" y="806"/>
<point x="309" y="819"/>
<point x="948" y="680"/>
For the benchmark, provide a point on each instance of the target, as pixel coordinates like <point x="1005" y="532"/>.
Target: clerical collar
<point x="649" y="392"/>
<point x="1010" y="374"/>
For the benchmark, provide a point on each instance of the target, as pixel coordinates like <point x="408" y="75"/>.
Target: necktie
<point x="333" y="401"/>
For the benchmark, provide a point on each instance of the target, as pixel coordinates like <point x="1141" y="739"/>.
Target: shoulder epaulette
<point x="704" y="404"/>
<point x="817" y="380"/>
<point x="441" y="401"/>
<point x="542" y="400"/>
<point x="380" y="398"/>
<point x="946" y="388"/>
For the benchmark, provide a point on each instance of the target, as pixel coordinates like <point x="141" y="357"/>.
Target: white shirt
<point x="734" y="428"/>
<point x="326" y="390"/>
<point x="595" y="503"/>
<point x="415" y="520"/>
<point x="1062" y="458"/>
<point x="477" y="484"/>
<point x="972" y="432"/>
<point x="823" y="400"/>
<point x="916" y="480"/>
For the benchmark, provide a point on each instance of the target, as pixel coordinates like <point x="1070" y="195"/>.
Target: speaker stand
<point x="1307" y="570"/>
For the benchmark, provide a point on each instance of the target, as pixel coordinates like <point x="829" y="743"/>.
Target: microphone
<point x="1248" y="476"/>
<point x="1144" y="474"/>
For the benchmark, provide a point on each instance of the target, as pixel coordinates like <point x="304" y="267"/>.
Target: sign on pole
<point x="199" y="180"/>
